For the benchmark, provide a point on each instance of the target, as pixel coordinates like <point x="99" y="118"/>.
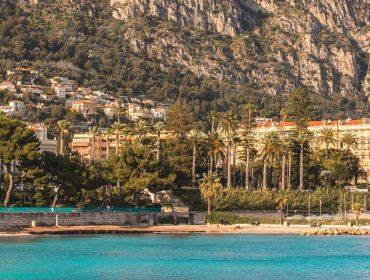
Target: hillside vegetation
<point x="214" y="54"/>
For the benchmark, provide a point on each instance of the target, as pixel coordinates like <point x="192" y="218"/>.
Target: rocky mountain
<point x="280" y="44"/>
<point x="214" y="53"/>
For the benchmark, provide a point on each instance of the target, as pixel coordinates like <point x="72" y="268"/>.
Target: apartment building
<point x="359" y="128"/>
<point x="99" y="146"/>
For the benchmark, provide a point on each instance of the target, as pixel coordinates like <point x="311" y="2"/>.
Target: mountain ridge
<point x="214" y="53"/>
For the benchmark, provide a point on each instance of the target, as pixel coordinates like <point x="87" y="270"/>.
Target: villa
<point x="46" y="144"/>
<point x="17" y="106"/>
<point x="8" y="85"/>
<point x="84" y="106"/>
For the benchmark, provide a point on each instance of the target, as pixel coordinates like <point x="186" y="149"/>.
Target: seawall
<point x="9" y="220"/>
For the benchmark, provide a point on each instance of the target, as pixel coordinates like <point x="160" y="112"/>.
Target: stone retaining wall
<point x="8" y="220"/>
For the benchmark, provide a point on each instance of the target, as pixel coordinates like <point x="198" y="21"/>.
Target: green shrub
<point x="229" y="218"/>
<point x="232" y="219"/>
<point x="262" y="200"/>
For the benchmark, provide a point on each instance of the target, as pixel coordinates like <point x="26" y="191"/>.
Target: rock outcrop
<point x="277" y="44"/>
<point x="224" y="17"/>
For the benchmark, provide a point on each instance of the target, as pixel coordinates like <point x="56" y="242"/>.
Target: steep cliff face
<point x="277" y="44"/>
<point x="224" y="17"/>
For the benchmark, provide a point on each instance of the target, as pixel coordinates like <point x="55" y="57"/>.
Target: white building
<point x="32" y="89"/>
<point x="7" y="85"/>
<point x="17" y="106"/>
<point x="41" y="132"/>
<point x="6" y="110"/>
<point x="47" y="96"/>
<point x="159" y="113"/>
<point x="62" y="86"/>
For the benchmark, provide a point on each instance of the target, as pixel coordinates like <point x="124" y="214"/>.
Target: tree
<point x="142" y="129"/>
<point x="216" y="149"/>
<point x="136" y="169"/>
<point x="178" y="119"/>
<point x="338" y="171"/>
<point x="158" y="127"/>
<point x="235" y="142"/>
<point x="120" y="112"/>
<point x="327" y="136"/>
<point x="247" y="143"/>
<point x="341" y="167"/>
<point x="349" y="140"/>
<point x="299" y="108"/>
<point x="229" y="127"/>
<point x="271" y="149"/>
<point x="93" y="132"/>
<point x="62" y="174"/>
<point x="302" y="137"/>
<point x="19" y="149"/>
<point x="108" y="132"/>
<point x="210" y="188"/>
<point x="64" y="128"/>
<point x="194" y="138"/>
<point x="284" y="152"/>
<point x="213" y="116"/>
<point x="117" y="129"/>
<point x="357" y="209"/>
<point x="282" y="202"/>
<point x="247" y="139"/>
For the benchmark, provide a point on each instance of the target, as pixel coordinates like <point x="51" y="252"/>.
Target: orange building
<point x="84" y="143"/>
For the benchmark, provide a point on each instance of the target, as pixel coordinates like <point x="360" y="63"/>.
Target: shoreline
<point x="172" y="229"/>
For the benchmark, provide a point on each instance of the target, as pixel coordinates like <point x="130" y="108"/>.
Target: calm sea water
<point x="185" y="257"/>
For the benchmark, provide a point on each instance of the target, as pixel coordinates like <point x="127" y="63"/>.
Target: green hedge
<point x="266" y="200"/>
<point x="263" y="200"/>
<point x="232" y="219"/>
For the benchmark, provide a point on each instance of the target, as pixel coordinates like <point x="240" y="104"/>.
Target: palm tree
<point x="195" y="138"/>
<point x="247" y="142"/>
<point x="357" y="209"/>
<point x="120" y="111"/>
<point x="282" y="202"/>
<point x="216" y="149"/>
<point x="229" y="126"/>
<point x="247" y="139"/>
<point x="93" y="131"/>
<point x="117" y="128"/>
<point x="158" y="127"/>
<point x="349" y="140"/>
<point x="142" y="129"/>
<point x="327" y="136"/>
<point x="303" y="137"/>
<point x="285" y="152"/>
<point x="108" y="132"/>
<point x="210" y="187"/>
<point x="289" y="180"/>
<point x="284" y="116"/>
<point x="213" y="116"/>
<point x="249" y="112"/>
<point x="271" y="149"/>
<point x="64" y="127"/>
<point x="236" y="140"/>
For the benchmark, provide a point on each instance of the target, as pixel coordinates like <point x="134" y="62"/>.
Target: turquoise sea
<point x="185" y="257"/>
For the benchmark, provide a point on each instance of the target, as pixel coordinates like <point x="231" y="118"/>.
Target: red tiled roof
<point x="268" y="124"/>
<point x="284" y="124"/>
<point x="354" y="122"/>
